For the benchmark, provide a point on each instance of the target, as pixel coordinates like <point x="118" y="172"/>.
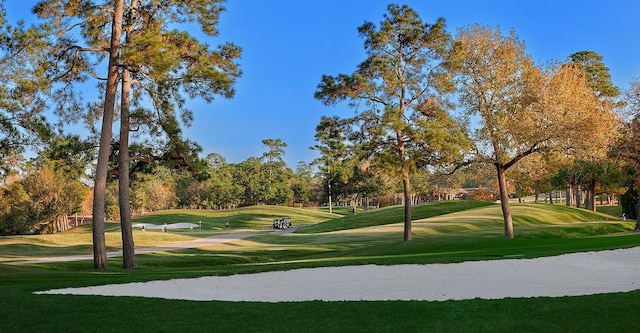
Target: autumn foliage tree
<point x="40" y="202"/>
<point x="524" y="109"/>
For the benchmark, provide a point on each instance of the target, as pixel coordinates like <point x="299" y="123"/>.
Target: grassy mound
<point x="394" y="214"/>
<point x="244" y="218"/>
<point x="529" y="220"/>
<point x="443" y="232"/>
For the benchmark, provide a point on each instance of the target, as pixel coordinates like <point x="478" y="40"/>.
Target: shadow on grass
<point x="32" y="250"/>
<point x="395" y="214"/>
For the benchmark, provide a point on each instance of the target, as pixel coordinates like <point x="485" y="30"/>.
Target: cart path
<point x="201" y="242"/>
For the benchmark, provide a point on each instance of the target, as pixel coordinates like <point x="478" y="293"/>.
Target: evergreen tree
<point x="151" y="58"/>
<point x="23" y="92"/>
<point x="401" y="84"/>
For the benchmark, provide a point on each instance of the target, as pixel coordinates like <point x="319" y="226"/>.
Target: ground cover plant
<point x="460" y="231"/>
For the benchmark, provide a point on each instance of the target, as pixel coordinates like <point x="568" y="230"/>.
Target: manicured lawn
<point x="443" y="232"/>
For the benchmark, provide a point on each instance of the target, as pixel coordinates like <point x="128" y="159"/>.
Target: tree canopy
<point x="598" y="76"/>
<point x="23" y="89"/>
<point x="402" y="84"/>
<point x="158" y="65"/>
<point x="525" y="109"/>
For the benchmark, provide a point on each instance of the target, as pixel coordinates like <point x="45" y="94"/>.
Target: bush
<point x="484" y="195"/>
<point x="14" y="212"/>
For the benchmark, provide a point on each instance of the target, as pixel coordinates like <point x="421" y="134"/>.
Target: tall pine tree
<point x="158" y="64"/>
<point x="402" y="84"/>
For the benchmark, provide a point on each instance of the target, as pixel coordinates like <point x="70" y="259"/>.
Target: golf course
<point x="446" y="232"/>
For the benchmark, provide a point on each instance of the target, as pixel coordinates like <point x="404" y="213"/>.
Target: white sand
<point x="565" y="275"/>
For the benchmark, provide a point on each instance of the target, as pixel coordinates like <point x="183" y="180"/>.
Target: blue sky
<point x="289" y="44"/>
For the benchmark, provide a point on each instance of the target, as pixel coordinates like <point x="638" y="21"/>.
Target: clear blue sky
<point x="289" y="44"/>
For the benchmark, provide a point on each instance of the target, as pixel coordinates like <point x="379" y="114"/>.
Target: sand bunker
<point x="565" y="275"/>
<point x="179" y="225"/>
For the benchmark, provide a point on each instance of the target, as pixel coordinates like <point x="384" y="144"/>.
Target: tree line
<point x="432" y="110"/>
<point x="50" y="188"/>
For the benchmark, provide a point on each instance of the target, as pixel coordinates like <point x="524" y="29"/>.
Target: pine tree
<point x="150" y="58"/>
<point x="402" y="84"/>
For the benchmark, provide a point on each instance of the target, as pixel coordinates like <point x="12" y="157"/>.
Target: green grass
<point x="246" y="218"/>
<point x="79" y="240"/>
<point x="395" y="214"/>
<point x="442" y="232"/>
<point x="610" y="210"/>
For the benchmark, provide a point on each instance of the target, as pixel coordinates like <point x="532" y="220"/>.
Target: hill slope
<point x="251" y="217"/>
<point x="394" y="214"/>
<point x="456" y="216"/>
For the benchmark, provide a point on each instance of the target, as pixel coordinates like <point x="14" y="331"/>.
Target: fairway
<point x="455" y="234"/>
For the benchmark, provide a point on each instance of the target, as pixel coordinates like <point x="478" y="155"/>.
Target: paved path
<point x="217" y="239"/>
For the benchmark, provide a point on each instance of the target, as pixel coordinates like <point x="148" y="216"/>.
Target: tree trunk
<point x="591" y="205"/>
<point x="128" y="248"/>
<point x="99" y="245"/>
<point x="550" y="194"/>
<point x="407" y="204"/>
<point x="637" y="228"/>
<point x="578" y="191"/>
<point x="536" y="191"/>
<point x="504" y="201"/>
<point x="329" y="190"/>
<point x="406" y="185"/>
<point x="569" y="194"/>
